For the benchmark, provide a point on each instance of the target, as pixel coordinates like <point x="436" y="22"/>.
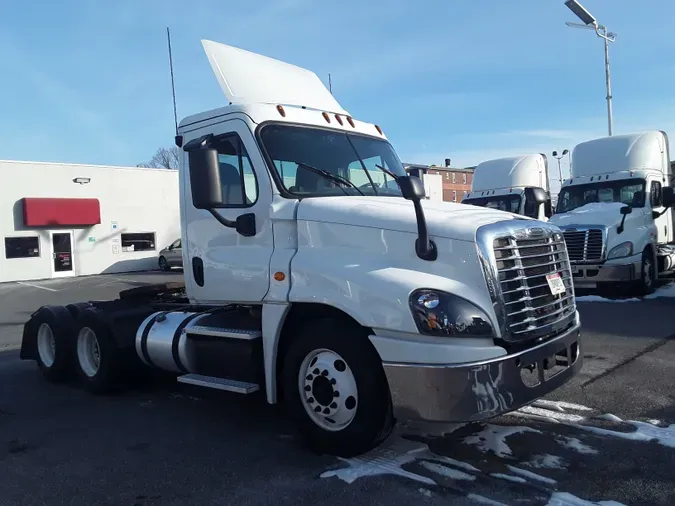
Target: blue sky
<point x="88" y="82"/>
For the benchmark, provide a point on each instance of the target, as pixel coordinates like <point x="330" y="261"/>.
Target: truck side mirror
<point x="412" y="188"/>
<point x="534" y="197"/>
<point x="205" y="178"/>
<point x="626" y="210"/>
<point x="668" y="196"/>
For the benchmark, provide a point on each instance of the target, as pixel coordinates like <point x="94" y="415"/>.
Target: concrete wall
<point x="138" y="200"/>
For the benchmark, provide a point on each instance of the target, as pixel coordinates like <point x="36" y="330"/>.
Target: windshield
<point x="626" y="191"/>
<point x="510" y="203"/>
<point x="349" y="156"/>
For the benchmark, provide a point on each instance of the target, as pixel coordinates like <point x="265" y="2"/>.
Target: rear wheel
<point x="336" y="389"/>
<point x="53" y="342"/>
<point x="97" y="356"/>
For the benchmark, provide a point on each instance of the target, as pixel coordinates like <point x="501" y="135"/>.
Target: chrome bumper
<point x="481" y="390"/>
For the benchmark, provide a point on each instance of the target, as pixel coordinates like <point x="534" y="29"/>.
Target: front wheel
<point x="336" y="389"/>
<point x="163" y="264"/>
<point x="646" y="284"/>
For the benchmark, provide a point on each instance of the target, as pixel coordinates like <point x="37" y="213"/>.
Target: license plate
<point x="555" y="283"/>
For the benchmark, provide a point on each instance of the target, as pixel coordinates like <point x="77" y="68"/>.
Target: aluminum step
<point x="240" y="387"/>
<point x="205" y="330"/>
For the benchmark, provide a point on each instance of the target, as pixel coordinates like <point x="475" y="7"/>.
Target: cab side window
<point x="656" y="194"/>
<point x="237" y="179"/>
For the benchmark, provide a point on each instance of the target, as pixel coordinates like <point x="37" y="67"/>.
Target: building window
<point x="144" y="241"/>
<point x="447" y="175"/>
<point x="464" y="178"/>
<point x="22" y="247"/>
<point x="454" y="177"/>
<point x="454" y="196"/>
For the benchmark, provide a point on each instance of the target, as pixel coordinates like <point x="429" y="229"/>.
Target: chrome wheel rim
<point x="88" y="351"/>
<point x="46" y="344"/>
<point x="328" y="389"/>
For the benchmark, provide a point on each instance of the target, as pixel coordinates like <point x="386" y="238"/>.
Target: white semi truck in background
<point x="354" y="304"/>
<point x="517" y="184"/>
<point x="615" y="211"/>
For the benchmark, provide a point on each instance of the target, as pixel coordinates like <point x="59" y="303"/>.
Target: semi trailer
<point x="352" y="304"/>
<point x="517" y="184"/>
<point x="615" y="211"/>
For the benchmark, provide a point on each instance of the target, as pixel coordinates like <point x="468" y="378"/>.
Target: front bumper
<point x="588" y="275"/>
<point x="482" y="390"/>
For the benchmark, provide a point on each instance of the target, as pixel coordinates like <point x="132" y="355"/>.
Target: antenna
<point x="173" y="87"/>
<point x="330" y="85"/>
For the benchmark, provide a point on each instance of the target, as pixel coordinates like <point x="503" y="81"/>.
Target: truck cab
<point x="616" y="211"/>
<point x="517" y="184"/>
<point x="313" y="279"/>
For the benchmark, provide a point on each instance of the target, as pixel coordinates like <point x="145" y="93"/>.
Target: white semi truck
<point x="517" y="184"/>
<point x="353" y="305"/>
<point x="615" y="211"/>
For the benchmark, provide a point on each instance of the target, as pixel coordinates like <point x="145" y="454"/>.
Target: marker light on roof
<point x="350" y="121"/>
<point x="326" y="117"/>
<point x="379" y="129"/>
<point x="281" y="111"/>
<point x="338" y="118"/>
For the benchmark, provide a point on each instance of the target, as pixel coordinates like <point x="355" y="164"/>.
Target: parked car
<point x="171" y="256"/>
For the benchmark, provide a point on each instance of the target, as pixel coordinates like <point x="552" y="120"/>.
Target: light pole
<point x="555" y="155"/>
<point x="590" y="23"/>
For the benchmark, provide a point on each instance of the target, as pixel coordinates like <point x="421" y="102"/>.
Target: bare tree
<point x="164" y="158"/>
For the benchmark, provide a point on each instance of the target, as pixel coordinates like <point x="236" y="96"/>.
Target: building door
<point x="62" y="254"/>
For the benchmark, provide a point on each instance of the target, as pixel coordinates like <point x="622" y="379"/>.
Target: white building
<point x="60" y="220"/>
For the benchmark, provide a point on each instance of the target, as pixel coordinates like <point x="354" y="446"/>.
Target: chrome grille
<point x="584" y="245"/>
<point x="529" y="307"/>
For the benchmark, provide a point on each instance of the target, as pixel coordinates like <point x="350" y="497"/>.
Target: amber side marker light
<point x="281" y="111"/>
<point x="279" y="276"/>
<point x="326" y="117"/>
<point x="379" y="129"/>
<point x="339" y="119"/>
<point x="351" y="121"/>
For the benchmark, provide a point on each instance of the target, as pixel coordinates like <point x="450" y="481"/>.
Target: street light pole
<point x="590" y="23"/>
<point x="558" y="157"/>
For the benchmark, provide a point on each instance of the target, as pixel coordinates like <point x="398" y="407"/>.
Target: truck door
<point x="224" y="265"/>
<point x="664" y="222"/>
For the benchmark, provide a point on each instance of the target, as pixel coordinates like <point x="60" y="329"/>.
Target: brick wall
<point x="455" y="183"/>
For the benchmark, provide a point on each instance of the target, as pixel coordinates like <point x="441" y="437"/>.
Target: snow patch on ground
<point x="446" y="471"/>
<point x="493" y="438"/>
<point x="567" y="499"/>
<point x="560" y="405"/>
<point x="531" y="475"/>
<point x="484" y="500"/>
<point x="597" y="298"/>
<point x="546" y="461"/>
<point x="610" y="417"/>
<point x="575" y="444"/>
<point x="643" y="432"/>
<point x="508" y="477"/>
<point x="665" y="291"/>
<point x="425" y="492"/>
<point x="550" y="415"/>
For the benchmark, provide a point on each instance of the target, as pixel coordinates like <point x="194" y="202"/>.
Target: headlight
<point x="444" y="314"/>
<point x="625" y="249"/>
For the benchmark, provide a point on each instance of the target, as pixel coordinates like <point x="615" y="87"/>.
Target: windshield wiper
<point x="388" y="172"/>
<point x="333" y="177"/>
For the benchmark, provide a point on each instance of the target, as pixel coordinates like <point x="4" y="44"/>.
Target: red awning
<point x="41" y="212"/>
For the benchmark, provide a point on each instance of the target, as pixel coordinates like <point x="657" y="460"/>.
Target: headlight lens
<point x="625" y="249"/>
<point x="443" y="314"/>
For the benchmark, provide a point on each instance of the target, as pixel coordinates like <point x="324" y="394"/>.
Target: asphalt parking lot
<point x="608" y="435"/>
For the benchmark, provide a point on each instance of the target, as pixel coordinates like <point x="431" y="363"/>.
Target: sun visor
<point x="247" y="77"/>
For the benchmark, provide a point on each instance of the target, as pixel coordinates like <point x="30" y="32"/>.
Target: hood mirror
<point x="412" y="189"/>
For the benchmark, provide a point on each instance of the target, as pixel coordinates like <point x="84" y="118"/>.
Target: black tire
<point x="57" y="367"/>
<point x="163" y="264"/>
<point x="108" y="377"/>
<point x="647" y="282"/>
<point x="373" y="421"/>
